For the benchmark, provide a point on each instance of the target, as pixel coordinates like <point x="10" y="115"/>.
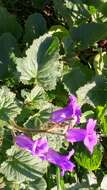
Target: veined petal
<point x="91" y="137"/>
<point x="40" y="147"/>
<point x="90" y="142"/>
<point x="75" y="135"/>
<point x="91" y="124"/>
<point x="78" y="114"/>
<point x="75" y="108"/>
<point x="24" y="142"/>
<point x="61" y="161"/>
<point x="61" y="115"/>
<point x="71" y="111"/>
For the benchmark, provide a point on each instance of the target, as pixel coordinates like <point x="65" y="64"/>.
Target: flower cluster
<point x="40" y="146"/>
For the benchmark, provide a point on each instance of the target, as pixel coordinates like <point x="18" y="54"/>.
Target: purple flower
<point x="88" y="135"/>
<point x="40" y="148"/>
<point x="63" y="161"/>
<point x="71" y="111"/>
<point x="24" y="142"/>
<point x="91" y="137"/>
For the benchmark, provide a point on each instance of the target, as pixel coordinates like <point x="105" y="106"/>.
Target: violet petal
<point x="61" y="161"/>
<point x="71" y="111"/>
<point x="61" y="115"/>
<point x="91" y="137"/>
<point x="40" y="147"/>
<point x="90" y="141"/>
<point x="91" y="124"/>
<point x="75" y="135"/>
<point x="24" y="142"/>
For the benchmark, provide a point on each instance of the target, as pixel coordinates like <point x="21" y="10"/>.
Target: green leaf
<point x="104" y="64"/>
<point x="39" y="120"/>
<point x="101" y="112"/>
<point x="48" y="63"/>
<point x="8" y="46"/>
<point x="38" y="184"/>
<point x="8" y="23"/>
<point x="35" y="26"/>
<point x="104" y="125"/>
<point x="82" y="93"/>
<point x="99" y="62"/>
<point x="92" y="10"/>
<point x="21" y="166"/>
<point x="37" y="98"/>
<point x="41" y="64"/>
<point x="25" y="113"/>
<point x="6" y="142"/>
<point x="9" y="105"/>
<point x="2" y="183"/>
<point x="74" y="75"/>
<point x="12" y="186"/>
<point x="59" y="96"/>
<point x="94" y="31"/>
<point x="77" y="76"/>
<point x="59" y="31"/>
<point x="71" y="11"/>
<point x="62" y="11"/>
<point x="86" y="160"/>
<point x="86" y="115"/>
<point x="55" y="141"/>
<point x="93" y="91"/>
<point x="103" y="8"/>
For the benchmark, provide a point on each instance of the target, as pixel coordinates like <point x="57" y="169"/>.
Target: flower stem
<point x="30" y="130"/>
<point x="62" y="183"/>
<point x="58" y="179"/>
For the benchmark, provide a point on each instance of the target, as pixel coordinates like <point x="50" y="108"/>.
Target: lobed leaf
<point x="21" y="166"/>
<point x="86" y="160"/>
<point x="41" y="64"/>
<point x="93" y="91"/>
<point x="101" y="112"/>
<point x="37" y="98"/>
<point x="38" y="184"/>
<point x="38" y="120"/>
<point x="77" y="76"/>
<point x="9" y="105"/>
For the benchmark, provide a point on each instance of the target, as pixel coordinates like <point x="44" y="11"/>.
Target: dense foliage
<point x="51" y="50"/>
